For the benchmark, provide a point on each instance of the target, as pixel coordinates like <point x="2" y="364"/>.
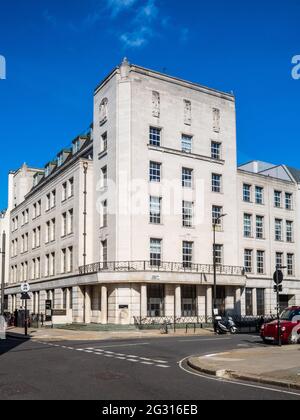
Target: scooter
<point x="225" y="325"/>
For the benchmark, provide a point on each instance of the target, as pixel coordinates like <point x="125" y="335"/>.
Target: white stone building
<point x="120" y="226"/>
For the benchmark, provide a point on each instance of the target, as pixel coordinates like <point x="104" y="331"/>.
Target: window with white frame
<point x="279" y="259"/>
<point x="64" y="224"/>
<point x="216" y="150"/>
<point x="187" y="178"/>
<point x="48" y="202"/>
<point x="217" y="212"/>
<point x="104" y="253"/>
<point x="63" y="260"/>
<point x="70" y="259"/>
<point x="278" y="230"/>
<point x="260" y="262"/>
<point x="53" y="199"/>
<point x="186" y="143"/>
<point x="218" y="250"/>
<point x="247" y="225"/>
<point x="277" y="198"/>
<point x="290" y="262"/>
<point x="52" y="264"/>
<point x="187" y="254"/>
<point x="52" y="230"/>
<point x="71" y="187"/>
<point x="216" y="183"/>
<point x="155" y="172"/>
<point x="155" y="252"/>
<point x="64" y="191"/>
<point x="187" y="214"/>
<point x="155" y="136"/>
<point x="47" y="265"/>
<point x="289" y="231"/>
<point x="247" y="193"/>
<point x="288" y="201"/>
<point x="39" y="208"/>
<point x="248" y="254"/>
<point x="155" y="210"/>
<point x="38" y="236"/>
<point x="70" y="229"/>
<point x="260" y="227"/>
<point x="259" y="195"/>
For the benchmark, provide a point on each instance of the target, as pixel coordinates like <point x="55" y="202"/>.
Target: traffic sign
<point x="278" y="277"/>
<point x="25" y="296"/>
<point x="25" y="287"/>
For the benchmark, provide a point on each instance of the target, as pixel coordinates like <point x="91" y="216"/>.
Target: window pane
<point x="247" y="193"/>
<point x="155" y="210"/>
<point x="187" y="249"/>
<point x="155" y="172"/>
<point x="187" y="178"/>
<point x="186" y="144"/>
<point x="187" y="214"/>
<point x="216" y="183"/>
<point x="155" y="252"/>
<point x="215" y="150"/>
<point x="155" y="136"/>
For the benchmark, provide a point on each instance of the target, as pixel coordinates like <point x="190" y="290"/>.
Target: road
<point x="150" y="369"/>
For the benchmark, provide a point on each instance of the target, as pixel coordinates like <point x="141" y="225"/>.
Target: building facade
<point x="120" y="226"/>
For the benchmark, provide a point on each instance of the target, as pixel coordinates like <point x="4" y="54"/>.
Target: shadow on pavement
<point x="11" y="343"/>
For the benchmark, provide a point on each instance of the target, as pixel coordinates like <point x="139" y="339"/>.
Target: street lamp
<point x="215" y="224"/>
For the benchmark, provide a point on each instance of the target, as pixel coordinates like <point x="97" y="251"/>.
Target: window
<point x="260" y="302"/>
<point x="76" y="146"/>
<point x="104" y="177"/>
<point x="155" y="136"/>
<point x="187" y="178"/>
<point x="216" y="150"/>
<point x="48" y="202"/>
<point x="279" y="259"/>
<point x="38" y="208"/>
<point x="288" y="201"/>
<point x="247" y="225"/>
<point x="186" y="143"/>
<point x="34" y="211"/>
<point x="219" y="254"/>
<point x="155" y="172"/>
<point x="278" y="230"/>
<point x="260" y="261"/>
<point x="155" y="210"/>
<point x="187" y="254"/>
<point x="216" y="183"/>
<point x="63" y="261"/>
<point x="52" y="230"/>
<point x="247" y="193"/>
<point x="248" y="260"/>
<point x="290" y="264"/>
<point x="64" y="191"/>
<point x="187" y="214"/>
<point x="60" y="159"/>
<point x="52" y="264"/>
<point x="64" y="224"/>
<point x="259" y="195"/>
<point x="38" y="237"/>
<point x="155" y="252"/>
<point x="277" y="199"/>
<point x="70" y="259"/>
<point x="71" y="188"/>
<point x="249" y="302"/>
<point x="188" y="301"/>
<point x="104" y="253"/>
<point x="289" y="231"/>
<point x="47" y="265"/>
<point x="70" y="221"/>
<point x="53" y="199"/>
<point x="217" y="212"/>
<point x="259" y="227"/>
<point x="104" y="142"/>
<point x="104" y="214"/>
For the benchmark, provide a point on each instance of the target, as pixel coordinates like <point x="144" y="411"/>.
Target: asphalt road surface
<point x="144" y="369"/>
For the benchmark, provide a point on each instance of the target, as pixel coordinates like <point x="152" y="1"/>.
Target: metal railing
<point x="171" y="267"/>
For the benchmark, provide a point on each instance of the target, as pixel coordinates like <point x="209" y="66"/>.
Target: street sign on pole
<point x="25" y="287"/>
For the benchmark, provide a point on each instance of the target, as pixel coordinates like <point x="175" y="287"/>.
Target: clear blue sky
<point x="58" y="51"/>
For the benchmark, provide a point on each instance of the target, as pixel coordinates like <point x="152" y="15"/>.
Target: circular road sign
<point x="25" y="287"/>
<point x="278" y="277"/>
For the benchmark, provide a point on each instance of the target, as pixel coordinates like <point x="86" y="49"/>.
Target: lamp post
<point x="215" y="224"/>
<point x="3" y="271"/>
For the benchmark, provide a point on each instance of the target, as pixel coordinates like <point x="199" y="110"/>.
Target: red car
<point x="290" y="327"/>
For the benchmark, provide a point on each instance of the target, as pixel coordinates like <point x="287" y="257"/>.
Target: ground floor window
<point x="220" y="299"/>
<point x="260" y="299"/>
<point x="156" y="300"/>
<point x="188" y="301"/>
<point x="249" y="302"/>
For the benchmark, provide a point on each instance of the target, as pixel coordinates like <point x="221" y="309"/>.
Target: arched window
<point x="103" y="111"/>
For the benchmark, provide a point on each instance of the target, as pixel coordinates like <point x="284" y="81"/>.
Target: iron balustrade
<point x="171" y="267"/>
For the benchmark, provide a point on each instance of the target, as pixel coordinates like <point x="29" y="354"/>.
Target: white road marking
<point x="234" y="382"/>
<point x="203" y="339"/>
<point x="123" y="345"/>
<point x="162" y="366"/>
<point x="146" y="363"/>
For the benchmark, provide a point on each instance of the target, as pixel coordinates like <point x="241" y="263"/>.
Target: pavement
<point x="277" y="366"/>
<point x="55" y="334"/>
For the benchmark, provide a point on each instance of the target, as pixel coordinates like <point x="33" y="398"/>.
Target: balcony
<point x="164" y="267"/>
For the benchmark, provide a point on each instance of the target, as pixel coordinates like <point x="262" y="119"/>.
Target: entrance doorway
<point x="285" y="301"/>
<point x="156" y="300"/>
